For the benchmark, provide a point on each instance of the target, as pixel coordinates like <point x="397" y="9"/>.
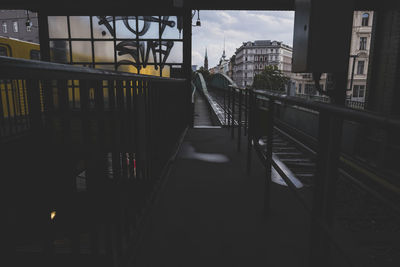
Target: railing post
<point x="233" y="114"/>
<point x="246" y="109"/>
<point x="268" y="166"/>
<point x="239" y="120"/>
<point x="225" y="112"/>
<point x="34" y="108"/>
<point x="229" y="106"/>
<point x="329" y="141"/>
<point x="250" y="130"/>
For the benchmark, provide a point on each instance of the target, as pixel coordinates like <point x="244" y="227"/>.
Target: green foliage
<point x="271" y="78"/>
<point x="205" y="73"/>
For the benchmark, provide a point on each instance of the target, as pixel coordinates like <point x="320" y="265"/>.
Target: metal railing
<point x="260" y="107"/>
<point x="328" y="152"/>
<point x="83" y="151"/>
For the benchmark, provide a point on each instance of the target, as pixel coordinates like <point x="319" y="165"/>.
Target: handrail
<point x="17" y="68"/>
<point x="339" y="111"/>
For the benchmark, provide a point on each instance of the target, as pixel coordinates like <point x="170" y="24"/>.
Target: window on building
<point x="28" y="28"/>
<point x="15" y="26"/>
<point x="360" y="67"/>
<point x="4" y="26"/>
<point x="363" y="43"/>
<point x="364" y="20"/>
<point x="245" y="59"/>
<point x="358" y="91"/>
<point x="300" y="88"/>
<point x="265" y="58"/>
<point x="245" y="75"/>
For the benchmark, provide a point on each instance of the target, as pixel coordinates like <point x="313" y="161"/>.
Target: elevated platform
<point x="210" y="212"/>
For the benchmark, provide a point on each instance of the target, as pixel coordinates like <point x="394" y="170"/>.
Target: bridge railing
<point x="262" y="106"/>
<point x="82" y="152"/>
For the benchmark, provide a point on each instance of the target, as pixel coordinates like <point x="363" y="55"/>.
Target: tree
<point x="205" y="73"/>
<point x="271" y="78"/>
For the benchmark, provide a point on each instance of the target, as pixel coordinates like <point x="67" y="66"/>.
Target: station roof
<point x="129" y="7"/>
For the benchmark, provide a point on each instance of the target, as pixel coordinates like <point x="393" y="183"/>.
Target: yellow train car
<point x="11" y="47"/>
<point x="13" y="94"/>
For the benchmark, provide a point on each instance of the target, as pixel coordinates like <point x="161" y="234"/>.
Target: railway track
<point x="366" y="204"/>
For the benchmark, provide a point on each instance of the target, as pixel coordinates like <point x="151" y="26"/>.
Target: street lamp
<point x="198" y="23"/>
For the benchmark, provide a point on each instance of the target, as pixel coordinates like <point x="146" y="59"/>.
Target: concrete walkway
<point x="210" y="212"/>
<point x="201" y="111"/>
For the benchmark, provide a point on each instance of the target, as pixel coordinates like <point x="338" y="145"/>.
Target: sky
<point x="237" y="27"/>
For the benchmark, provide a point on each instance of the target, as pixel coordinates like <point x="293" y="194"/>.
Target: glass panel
<point x="150" y="70"/>
<point x="148" y="27"/>
<point x="100" y="29"/>
<point x="104" y="51"/>
<point x="127" y="68"/>
<point x="176" y="71"/>
<point x="172" y="27"/>
<point x="127" y="51"/>
<point x="175" y="55"/>
<point x="80" y="26"/>
<point x="59" y="51"/>
<point x="166" y="71"/>
<point x="125" y="26"/>
<point x="58" y="27"/>
<point x="81" y="51"/>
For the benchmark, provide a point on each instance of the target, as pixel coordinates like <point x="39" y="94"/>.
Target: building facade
<point x="252" y="57"/>
<point x="358" y="62"/>
<point x="359" y="55"/>
<point x="19" y="24"/>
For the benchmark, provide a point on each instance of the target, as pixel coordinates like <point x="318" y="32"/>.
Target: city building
<point x="359" y="55"/>
<point x="19" y="24"/>
<point x="358" y="62"/>
<point x="252" y="57"/>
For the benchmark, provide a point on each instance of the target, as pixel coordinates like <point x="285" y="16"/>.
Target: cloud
<point x="237" y="27"/>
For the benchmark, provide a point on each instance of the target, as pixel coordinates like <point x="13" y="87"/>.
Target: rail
<point x="84" y="151"/>
<point x="261" y="106"/>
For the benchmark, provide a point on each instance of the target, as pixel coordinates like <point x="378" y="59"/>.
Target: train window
<point x="35" y="54"/>
<point x="3" y="51"/>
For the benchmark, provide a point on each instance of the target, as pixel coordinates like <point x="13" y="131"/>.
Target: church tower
<point x="206" y="61"/>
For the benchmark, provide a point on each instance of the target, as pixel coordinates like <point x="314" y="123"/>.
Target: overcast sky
<point x="237" y="27"/>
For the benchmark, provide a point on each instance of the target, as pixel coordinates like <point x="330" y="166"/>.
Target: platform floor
<point x="201" y="111"/>
<point x="210" y="212"/>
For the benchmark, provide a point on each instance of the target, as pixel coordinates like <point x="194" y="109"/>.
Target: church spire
<point x="206" y="61"/>
<point x="223" y="53"/>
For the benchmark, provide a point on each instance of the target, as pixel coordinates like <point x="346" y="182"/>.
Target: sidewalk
<point x="210" y="212"/>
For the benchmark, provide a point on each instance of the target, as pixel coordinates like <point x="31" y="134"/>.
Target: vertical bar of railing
<point x="246" y="110"/>
<point x="34" y="109"/>
<point x="147" y="127"/>
<point x="239" y="120"/>
<point x="329" y="140"/>
<point x="2" y="116"/>
<point x="233" y="114"/>
<point x="268" y="166"/>
<point x="251" y="106"/>
<point x="64" y="110"/>
<point x="225" y="111"/>
<point x="228" y="106"/>
<point x="49" y="107"/>
<point x="120" y="111"/>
